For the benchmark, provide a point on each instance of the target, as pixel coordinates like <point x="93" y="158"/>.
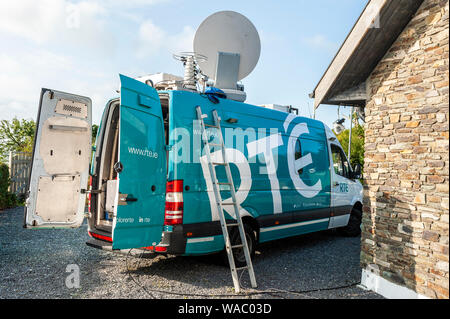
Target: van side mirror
<point x="357" y="173"/>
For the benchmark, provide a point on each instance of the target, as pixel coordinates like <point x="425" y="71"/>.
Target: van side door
<point x="341" y="187"/>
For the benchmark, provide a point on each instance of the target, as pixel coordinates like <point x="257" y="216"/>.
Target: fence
<point x="19" y="172"/>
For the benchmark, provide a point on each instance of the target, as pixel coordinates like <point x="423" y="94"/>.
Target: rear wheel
<point x="238" y="253"/>
<point x="353" y="227"/>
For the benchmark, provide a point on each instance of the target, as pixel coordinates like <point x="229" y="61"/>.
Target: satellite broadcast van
<point x="175" y="159"/>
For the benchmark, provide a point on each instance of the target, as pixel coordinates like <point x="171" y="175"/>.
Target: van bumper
<point x="99" y="244"/>
<point x="193" y="239"/>
<point x="175" y="240"/>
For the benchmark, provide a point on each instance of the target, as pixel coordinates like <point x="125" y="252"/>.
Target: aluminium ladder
<point x="216" y="187"/>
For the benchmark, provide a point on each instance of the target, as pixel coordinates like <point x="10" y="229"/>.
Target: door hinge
<point x="91" y="191"/>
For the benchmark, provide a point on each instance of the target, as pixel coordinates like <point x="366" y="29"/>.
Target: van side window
<point x="340" y="163"/>
<point x="298" y="153"/>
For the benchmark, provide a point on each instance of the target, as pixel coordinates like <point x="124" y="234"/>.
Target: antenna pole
<point x="350" y="136"/>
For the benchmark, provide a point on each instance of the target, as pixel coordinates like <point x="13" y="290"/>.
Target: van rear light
<point x="101" y="237"/>
<point x="161" y="249"/>
<point x="173" y="213"/>
<point x="175" y="186"/>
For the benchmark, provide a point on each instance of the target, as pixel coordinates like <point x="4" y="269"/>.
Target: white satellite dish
<point x="231" y="43"/>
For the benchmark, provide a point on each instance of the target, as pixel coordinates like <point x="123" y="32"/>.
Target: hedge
<point x="7" y="199"/>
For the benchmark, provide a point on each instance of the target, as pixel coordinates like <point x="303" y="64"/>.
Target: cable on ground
<point x="270" y="291"/>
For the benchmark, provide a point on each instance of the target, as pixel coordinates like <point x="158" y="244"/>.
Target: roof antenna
<point x="192" y="72"/>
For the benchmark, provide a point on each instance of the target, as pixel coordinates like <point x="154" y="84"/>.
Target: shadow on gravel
<point x="306" y="261"/>
<point x="33" y="265"/>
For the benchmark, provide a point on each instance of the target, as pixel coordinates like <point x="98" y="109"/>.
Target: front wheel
<point x="238" y="253"/>
<point x="353" y="228"/>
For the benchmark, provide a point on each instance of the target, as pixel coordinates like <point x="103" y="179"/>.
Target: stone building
<point x="394" y="65"/>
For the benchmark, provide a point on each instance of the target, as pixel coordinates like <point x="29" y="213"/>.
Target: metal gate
<point x="19" y="172"/>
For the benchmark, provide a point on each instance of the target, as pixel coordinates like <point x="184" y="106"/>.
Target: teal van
<point x="147" y="184"/>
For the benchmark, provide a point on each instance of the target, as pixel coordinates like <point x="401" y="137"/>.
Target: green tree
<point x="357" y="147"/>
<point x="7" y="199"/>
<point x="94" y="133"/>
<point x="17" y="136"/>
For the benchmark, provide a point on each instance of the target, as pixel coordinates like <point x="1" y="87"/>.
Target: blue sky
<point x="81" y="46"/>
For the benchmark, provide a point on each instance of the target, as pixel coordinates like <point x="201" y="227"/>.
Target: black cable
<point x="131" y="276"/>
<point x="271" y="291"/>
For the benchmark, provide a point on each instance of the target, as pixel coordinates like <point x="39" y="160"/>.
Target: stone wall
<point x="406" y="171"/>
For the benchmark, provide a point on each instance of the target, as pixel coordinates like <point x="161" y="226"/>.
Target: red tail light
<point x="101" y="237"/>
<point x="173" y="214"/>
<point x="161" y="249"/>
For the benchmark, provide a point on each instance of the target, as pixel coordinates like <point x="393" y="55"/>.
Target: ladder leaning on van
<point x="220" y="203"/>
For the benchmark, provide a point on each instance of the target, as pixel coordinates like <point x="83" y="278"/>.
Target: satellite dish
<point x="231" y="35"/>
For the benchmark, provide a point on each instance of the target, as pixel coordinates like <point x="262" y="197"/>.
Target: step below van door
<point x="60" y="162"/>
<point x="139" y="213"/>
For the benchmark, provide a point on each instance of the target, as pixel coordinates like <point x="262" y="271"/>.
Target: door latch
<point x="124" y="199"/>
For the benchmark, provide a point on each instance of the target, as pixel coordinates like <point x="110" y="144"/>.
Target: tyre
<point x="353" y="228"/>
<point x="238" y="253"/>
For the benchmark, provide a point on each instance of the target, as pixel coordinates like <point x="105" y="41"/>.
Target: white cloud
<point x="70" y="46"/>
<point x="182" y="41"/>
<point x="24" y="74"/>
<point x="132" y="3"/>
<point x="30" y="19"/>
<point x="20" y="73"/>
<point x="45" y="20"/>
<point x="152" y="39"/>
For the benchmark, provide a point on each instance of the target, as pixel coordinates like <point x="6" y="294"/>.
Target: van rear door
<point x="139" y="213"/>
<point x="60" y="165"/>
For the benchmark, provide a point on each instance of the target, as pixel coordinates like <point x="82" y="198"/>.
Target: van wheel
<point x="238" y="253"/>
<point x="353" y="228"/>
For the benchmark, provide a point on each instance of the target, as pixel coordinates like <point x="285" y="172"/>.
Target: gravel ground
<point x="33" y="265"/>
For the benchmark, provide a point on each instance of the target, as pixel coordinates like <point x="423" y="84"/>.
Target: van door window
<point x="319" y="166"/>
<point x="298" y="153"/>
<point x="340" y="163"/>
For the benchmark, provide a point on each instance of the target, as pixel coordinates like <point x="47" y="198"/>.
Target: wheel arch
<point x="358" y="205"/>
<point x="252" y="222"/>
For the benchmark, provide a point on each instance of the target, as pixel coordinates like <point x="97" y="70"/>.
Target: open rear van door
<point x="60" y="164"/>
<point x="142" y="167"/>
